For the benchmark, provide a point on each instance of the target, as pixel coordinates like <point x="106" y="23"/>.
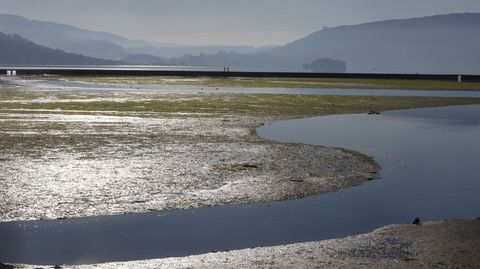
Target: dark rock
<point x="297" y="180"/>
<point x="417" y="221"/>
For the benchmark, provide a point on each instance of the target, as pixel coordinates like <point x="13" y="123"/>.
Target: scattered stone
<point x="297" y="180"/>
<point x="373" y="112"/>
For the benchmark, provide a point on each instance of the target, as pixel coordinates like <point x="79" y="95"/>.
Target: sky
<point x="225" y="22"/>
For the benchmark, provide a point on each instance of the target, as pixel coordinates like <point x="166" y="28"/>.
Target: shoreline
<point x="160" y="163"/>
<point x="228" y="139"/>
<point x="128" y="152"/>
<point x="443" y="244"/>
<point x="253" y="170"/>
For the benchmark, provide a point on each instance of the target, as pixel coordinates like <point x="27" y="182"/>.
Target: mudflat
<point x="84" y="153"/>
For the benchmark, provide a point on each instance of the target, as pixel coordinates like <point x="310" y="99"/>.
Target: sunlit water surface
<point x="430" y="170"/>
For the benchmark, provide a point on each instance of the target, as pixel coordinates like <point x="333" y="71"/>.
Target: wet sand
<point x="186" y="163"/>
<point x="64" y="164"/>
<point x="70" y="154"/>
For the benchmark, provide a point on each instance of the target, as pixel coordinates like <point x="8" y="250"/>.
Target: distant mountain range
<point x="15" y="50"/>
<point x="436" y="44"/>
<point x="100" y="44"/>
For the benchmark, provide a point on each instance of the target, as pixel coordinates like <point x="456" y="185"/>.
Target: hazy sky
<point x="248" y="22"/>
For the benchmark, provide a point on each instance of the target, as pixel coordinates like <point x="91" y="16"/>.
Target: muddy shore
<point x="103" y="164"/>
<point x="192" y="163"/>
<point x="442" y="244"/>
<point x="83" y="153"/>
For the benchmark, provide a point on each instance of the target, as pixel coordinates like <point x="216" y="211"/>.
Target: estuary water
<point x="430" y="169"/>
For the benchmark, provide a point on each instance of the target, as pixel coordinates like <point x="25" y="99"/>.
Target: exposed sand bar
<point x="69" y="154"/>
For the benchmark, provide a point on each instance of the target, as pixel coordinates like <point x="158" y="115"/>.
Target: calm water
<point x="431" y="168"/>
<point x="429" y="157"/>
<point x="73" y="85"/>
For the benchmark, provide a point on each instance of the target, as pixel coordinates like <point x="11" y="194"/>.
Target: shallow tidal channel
<point x="429" y="160"/>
